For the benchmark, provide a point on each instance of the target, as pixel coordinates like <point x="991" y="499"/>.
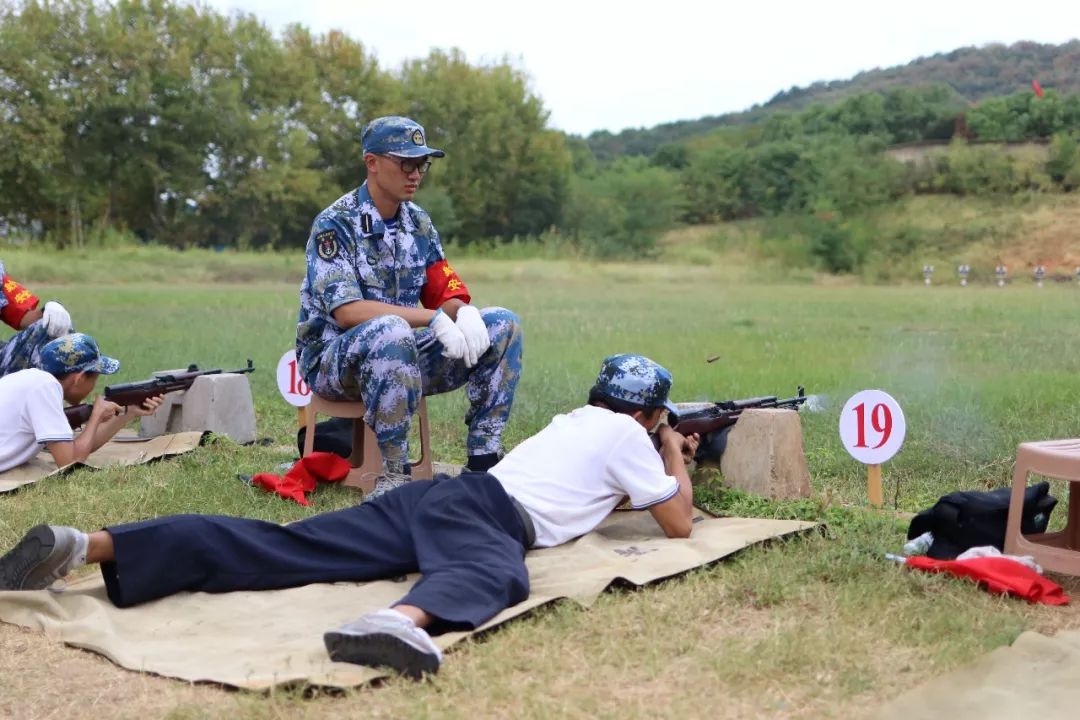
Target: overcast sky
<point x="606" y="65"/>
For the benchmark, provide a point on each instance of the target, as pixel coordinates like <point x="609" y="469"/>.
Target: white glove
<point x="475" y="332"/>
<point x="449" y="335"/>
<point x="56" y="318"/>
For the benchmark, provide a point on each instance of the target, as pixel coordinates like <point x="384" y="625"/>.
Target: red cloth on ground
<point x="998" y="575"/>
<point x="303" y="476"/>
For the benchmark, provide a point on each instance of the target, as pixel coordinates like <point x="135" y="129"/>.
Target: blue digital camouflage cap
<point x="396" y="135"/>
<point x="76" y="352"/>
<point x="636" y="380"/>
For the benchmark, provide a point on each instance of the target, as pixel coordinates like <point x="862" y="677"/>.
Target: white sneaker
<point x="45" y="554"/>
<point x="387" y="482"/>
<point x="385" y="638"/>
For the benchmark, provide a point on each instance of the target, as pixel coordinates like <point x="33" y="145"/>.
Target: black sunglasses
<point x="410" y="165"/>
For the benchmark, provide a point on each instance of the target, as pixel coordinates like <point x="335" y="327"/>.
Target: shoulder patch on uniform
<point x="365" y="223"/>
<point x="326" y="244"/>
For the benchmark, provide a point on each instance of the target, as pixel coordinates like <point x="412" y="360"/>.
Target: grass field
<point x="819" y="626"/>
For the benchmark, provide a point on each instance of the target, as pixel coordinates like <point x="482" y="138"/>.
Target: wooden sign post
<point x="873" y="485"/>
<point x="872" y="428"/>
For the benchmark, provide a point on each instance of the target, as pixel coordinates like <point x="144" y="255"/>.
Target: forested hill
<point x="972" y="73"/>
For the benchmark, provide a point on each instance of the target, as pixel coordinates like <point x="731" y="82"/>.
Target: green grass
<point x="815" y="626"/>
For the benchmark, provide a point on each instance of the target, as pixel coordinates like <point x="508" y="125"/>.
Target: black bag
<point x="333" y="435"/>
<point x="963" y="520"/>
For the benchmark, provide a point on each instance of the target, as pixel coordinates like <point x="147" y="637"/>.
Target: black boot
<point x="482" y="463"/>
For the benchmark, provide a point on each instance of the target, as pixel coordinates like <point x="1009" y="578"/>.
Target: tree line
<point x="181" y="126"/>
<point x="967" y="75"/>
<point x="828" y="163"/>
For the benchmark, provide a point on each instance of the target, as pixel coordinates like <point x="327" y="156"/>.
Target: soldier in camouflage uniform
<point x="36" y="326"/>
<point x="372" y="257"/>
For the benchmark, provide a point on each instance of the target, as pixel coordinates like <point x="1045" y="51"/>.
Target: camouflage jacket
<point x="350" y="256"/>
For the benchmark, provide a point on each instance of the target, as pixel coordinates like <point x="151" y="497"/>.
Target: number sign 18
<point x="291" y="386"/>
<point x="872" y="426"/>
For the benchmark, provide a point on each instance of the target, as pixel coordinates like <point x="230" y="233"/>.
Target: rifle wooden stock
<point x="704" y="422"/>
<point x="136" y="393"/>
<point x="78" y="415"/>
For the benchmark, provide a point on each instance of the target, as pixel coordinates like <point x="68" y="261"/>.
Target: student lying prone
<point x="467" y="535"/>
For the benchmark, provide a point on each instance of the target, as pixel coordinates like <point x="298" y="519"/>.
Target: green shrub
<point x="622" y="211"/>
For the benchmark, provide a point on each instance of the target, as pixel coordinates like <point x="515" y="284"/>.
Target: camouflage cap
<point x="636" y="380"/>
<point x="76" y="352"/>
<point x="395" y="135"/>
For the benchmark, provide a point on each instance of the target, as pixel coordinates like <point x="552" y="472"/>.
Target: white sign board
<point x="872" y="426"/>
<point x="292" y="387"/>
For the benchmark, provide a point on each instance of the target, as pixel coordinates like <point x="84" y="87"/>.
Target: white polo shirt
<point x="575" y="471"/>
<point x="31" y="414"/>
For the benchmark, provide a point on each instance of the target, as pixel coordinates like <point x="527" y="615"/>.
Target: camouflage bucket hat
<point x="395" y="135"/>
<point x="635" y="379"/>
<point x="76" y="352"/>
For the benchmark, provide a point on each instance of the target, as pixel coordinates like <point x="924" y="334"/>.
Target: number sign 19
<point x="872" y="426"/>
<point x="290" y="384"/>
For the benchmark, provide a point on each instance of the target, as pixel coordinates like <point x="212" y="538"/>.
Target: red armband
<point x="19" y="302"/>
<point x="443" y="283"/>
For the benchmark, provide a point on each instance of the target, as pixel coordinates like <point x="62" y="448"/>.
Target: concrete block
<point x="214" y="403"/>
<point x="765" y="455"/>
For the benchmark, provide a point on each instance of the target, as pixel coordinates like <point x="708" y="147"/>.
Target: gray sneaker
<point x="387" y="482"/>
<point x="43" y="556"/>
<point x="385" y="638"/>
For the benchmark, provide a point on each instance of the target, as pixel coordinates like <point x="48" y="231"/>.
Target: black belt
<point x="527" y="521"/>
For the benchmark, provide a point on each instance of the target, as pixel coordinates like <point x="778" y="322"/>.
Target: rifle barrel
<point x="727" y="411"/>
<point x="763" y="401"/>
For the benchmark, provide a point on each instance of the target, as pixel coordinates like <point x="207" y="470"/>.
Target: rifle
<point x="137" y="393"/>
<point x="713" y="422"/>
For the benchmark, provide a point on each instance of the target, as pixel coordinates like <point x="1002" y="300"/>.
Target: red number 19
<point x="880" y="421"/>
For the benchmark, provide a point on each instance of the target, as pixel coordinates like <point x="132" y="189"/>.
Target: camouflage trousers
<point x="21" y="351"/>
<point x="388" y="365"/>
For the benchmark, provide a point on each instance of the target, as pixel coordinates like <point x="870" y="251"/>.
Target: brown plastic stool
<point x="1057" y="551"/>
<point x="366" y="459"/>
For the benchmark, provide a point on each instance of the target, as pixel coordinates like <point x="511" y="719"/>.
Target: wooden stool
<point x="366" y="459"/>
<point x="1057" y="551"/>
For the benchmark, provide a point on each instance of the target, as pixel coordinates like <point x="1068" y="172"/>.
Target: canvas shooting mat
<point x="124" y="449"/>
<point x="260" y="639"/>
<point x="1035" y="677"/>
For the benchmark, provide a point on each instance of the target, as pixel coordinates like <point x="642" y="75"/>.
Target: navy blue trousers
<point x="461" y="533"/>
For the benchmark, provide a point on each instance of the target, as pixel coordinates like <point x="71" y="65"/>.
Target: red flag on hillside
<point x="1037" y="88"/>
